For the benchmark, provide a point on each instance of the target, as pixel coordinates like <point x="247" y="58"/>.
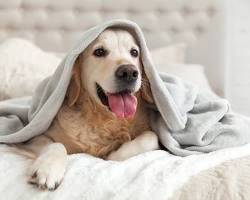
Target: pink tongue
<point x="123" y="105"/>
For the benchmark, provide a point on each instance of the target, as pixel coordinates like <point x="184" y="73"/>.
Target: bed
<point x="52" y="26"/>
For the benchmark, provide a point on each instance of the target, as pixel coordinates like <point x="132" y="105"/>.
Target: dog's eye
<point x="134" y="52"/>
<point x="100" y="52"/>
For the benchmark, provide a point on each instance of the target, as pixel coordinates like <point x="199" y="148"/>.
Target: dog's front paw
<point x="47" y="172"/>
<point x="48" y="169"/>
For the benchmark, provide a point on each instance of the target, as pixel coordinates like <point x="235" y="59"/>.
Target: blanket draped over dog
<point x="186" y="120"/>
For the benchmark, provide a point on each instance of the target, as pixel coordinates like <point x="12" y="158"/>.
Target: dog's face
<point x="112" y="62"/>
<point x="111" y="71"/>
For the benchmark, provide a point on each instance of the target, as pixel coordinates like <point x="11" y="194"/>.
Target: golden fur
<point x="82" y="125"/>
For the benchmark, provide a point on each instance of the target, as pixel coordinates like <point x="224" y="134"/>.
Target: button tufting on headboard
<point x="167" y="20"/>
<point x="55" y="24"/>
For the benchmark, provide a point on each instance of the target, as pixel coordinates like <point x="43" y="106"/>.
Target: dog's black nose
<point x="127" y="73"/>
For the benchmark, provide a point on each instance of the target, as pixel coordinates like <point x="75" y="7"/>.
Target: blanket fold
<point x="186" y="120"/>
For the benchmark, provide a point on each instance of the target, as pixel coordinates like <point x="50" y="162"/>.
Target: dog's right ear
<point x="74" y="88"/>
<point x="146" y="92"/>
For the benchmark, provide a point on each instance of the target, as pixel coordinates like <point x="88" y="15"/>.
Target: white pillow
<point x="171" y="54"/>
<point x="188" y="72"/>
<point x="171" y="59"/>
<point x="22" y="66"/>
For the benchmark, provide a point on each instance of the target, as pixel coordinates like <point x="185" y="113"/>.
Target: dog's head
<point x="110" y="70"/>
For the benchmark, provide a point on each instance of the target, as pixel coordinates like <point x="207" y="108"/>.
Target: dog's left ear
<point x="74" y="88"/>
<point x="146" y="92"/>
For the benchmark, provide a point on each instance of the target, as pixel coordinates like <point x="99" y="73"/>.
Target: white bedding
<point x="152" y="175"/>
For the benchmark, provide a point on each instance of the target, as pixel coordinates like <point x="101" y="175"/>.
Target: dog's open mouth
<point x="123" y="104"/>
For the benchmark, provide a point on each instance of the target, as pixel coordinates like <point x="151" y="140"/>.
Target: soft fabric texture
<point x="187" y="121"/>
<point x="23" y="64"/>
<point x="229" y="180"/>
<point x="192" y="73"/>
<point x="172" y="54"/>
<point x="148" y="176"/>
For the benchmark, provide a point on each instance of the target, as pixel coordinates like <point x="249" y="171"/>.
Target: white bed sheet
<point x="152" y="175"/>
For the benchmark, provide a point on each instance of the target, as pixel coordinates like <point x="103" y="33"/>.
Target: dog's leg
<point x="147" y="141"/>
<point x="48" y="168"/>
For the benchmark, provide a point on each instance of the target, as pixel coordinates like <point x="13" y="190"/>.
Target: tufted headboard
<point x="54" y="25"/>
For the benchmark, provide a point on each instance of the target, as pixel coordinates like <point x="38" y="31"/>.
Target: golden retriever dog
<point x="104" y="113"/>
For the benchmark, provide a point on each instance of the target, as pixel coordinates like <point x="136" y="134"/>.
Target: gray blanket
<point x="186" y="120"/>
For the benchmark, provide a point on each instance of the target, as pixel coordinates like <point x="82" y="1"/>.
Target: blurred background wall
<point x="238" y="55"/>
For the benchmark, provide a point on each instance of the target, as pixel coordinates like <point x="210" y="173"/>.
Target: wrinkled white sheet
<point x="152" y="175"/>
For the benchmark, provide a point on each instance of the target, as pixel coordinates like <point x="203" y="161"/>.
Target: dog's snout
<point x="127" y="73"/>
